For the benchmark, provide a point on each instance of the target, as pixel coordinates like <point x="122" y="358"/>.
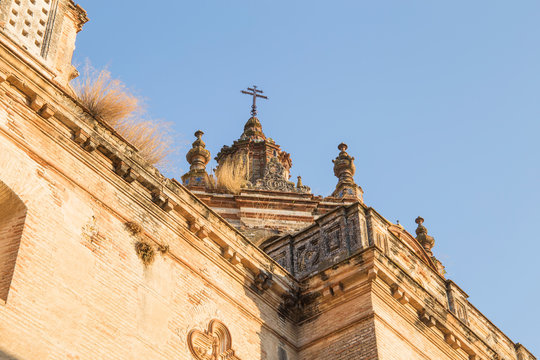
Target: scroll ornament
<point x="212" y="344"/>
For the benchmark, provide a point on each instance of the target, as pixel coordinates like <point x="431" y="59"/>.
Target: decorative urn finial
<point x="427" y="243"/>
<point x="344" y="167"/>
<point x="422" y="236"/>
<point x="197" y="157"/>
<point x="344" y="170"/>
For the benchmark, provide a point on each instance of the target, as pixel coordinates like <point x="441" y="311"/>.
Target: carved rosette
<point x="212" y="344"/>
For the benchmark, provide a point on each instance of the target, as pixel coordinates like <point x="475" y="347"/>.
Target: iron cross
<point x="255" y="93"/>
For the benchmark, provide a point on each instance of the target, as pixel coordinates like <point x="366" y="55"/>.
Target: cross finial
<point x="255" y="93"/>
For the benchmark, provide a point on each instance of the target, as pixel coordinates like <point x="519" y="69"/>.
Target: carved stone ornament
<point x="344" y="170"/>
<point x="422" y="236"/>
<point x="275" y="179"/>
<point x="308" y="256"/>
<point x="212" y="344"/>
<point x="263" y="281"/>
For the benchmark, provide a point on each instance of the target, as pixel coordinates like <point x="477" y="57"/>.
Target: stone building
<point x="102" y="257"/>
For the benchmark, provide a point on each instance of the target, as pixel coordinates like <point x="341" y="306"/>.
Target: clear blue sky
<point x="438" y="102"/>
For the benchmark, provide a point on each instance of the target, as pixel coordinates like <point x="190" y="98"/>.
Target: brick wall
<point x="79" y="289"/>
<point x="354" y="342"/>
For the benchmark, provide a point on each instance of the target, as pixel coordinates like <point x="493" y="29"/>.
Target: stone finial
<point x="198" y="157"/>
<point x="253" y="130"/>
<point x="421" y="229"/>
<point x="344" y="167"/>
<point x="422" y="236"/>
<point x="300" y="187"/>
<point x="344" y="170"/>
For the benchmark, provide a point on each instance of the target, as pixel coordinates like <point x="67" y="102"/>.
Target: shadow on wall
<point x="272" y="347"/>
<point x="12" y="217"/>
<point x="269" y="335"/>
<point x="6" y="356"/>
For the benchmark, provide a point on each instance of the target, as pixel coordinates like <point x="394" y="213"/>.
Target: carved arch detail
<point x="212" y="344"/>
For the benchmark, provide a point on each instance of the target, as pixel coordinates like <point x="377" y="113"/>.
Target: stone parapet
<point x="262" y="214"/>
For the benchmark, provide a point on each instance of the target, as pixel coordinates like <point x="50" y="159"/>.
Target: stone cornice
<point x="337" y="283"/>
<point x="439" y="316"/>
<point x="80" y="14"/>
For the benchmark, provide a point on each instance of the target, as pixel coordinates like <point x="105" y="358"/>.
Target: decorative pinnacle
<point x="344" y="165"/>
<point x="344" y="170"/>
<point x="256" y="93"/>
<point x="421" y="235"/>
<point x="421" y="229"/>
<point x="198" y="156"/>
<point x="427" y="242"/>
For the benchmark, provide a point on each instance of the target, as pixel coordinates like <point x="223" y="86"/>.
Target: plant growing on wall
<point x="110" y="100"/>
<point x="232" y="173"/>
<point x="145" y="251"/>
<point x="143" y="248"/>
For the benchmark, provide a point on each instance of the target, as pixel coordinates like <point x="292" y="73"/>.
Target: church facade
<point x="103" y="257"/>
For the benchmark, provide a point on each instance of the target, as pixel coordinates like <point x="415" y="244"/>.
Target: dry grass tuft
<point x="151" y="137"/>
<point x="232" y="173"/>
<point x="110" y="100"/>
<point x="104" y="96"/>
<point x="145" y="251"/>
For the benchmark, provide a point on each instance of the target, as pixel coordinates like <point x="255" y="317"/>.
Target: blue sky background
<point x="438" y="102"/>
